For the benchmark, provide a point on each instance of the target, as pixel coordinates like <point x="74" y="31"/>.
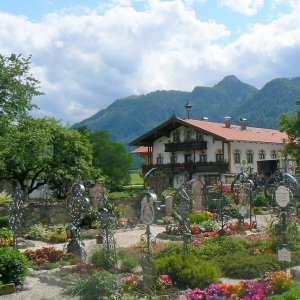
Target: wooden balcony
<point x="185" y="146"/>
<point x="208" y="167"/>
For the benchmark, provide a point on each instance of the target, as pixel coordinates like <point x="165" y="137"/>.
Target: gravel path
<point x="37" y="290"/>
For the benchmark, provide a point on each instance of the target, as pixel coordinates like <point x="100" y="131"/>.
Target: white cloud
<point x="85" y="61"/>
<point x="245" y="7"/>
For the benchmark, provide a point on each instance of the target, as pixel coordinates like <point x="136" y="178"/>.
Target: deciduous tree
<point x="291" y="126"/>
<point x="38" y="151"/>
<point x="17" y="86"/>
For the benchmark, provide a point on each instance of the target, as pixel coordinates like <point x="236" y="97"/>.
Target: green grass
<point x="136" y="179"/>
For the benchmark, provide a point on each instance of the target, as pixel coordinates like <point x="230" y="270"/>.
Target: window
<point x="188" y="158"/>
<point x="250" y="158"/>
<point x="188" y="136"/>
<point x="273" y="155"/>
<point x="176" y="136"/>
<point x="237" y="158"/>
<point x="203" y="158"/>
<point x="262" y="155"/>
<point x="199" y="136"/>
<point x="174" y="159"/>
<point x="160" y="160"/>
<point x="219" y="157"/>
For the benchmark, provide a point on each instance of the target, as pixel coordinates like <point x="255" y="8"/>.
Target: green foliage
<point x="189" y="272"/>
<point x="244" y="265"/>
<point x="13" y="266"/>
<point x="37" y="231"/>
<point x="169" y="249"/>
<point x="4" y="221"/>
<point x="199" y="217"/>
<point x="293" y="293"/>
<point x="93" y="286"/>
<point x="6" y="233"/>
<point x="290" y="125"/>
<point x="260" y="200"/>
<point x="57" y="237"/>
<point x="17" y="86"/>
<point x="4" y="198"/>
<point x="213" y="247"/>
<point x="210" y="225"/>
<point x="88" y="236"/>
<point x="50" y="152"/>
<point x="115" y="164"/>
<point x="100" y="257"/>
<point x="298" y="208"/>
<point x="129" y="262"/>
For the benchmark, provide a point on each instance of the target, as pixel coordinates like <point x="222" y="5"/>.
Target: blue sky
<point x="87" y="53"/>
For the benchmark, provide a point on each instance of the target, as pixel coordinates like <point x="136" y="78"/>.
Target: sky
<point x="87" y="54"/>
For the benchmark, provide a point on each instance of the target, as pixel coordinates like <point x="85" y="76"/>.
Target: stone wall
<point x="56" y="212"/>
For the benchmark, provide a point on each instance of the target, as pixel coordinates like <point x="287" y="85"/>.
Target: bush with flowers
<point x="244" y="290"/>
<point x="163" y="281"/>
<point x="40" y="258"/>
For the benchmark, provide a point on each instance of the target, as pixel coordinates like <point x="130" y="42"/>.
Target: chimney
<point x="205" y="119"/>
<point x="227" y="122"/>
<point x="243" y="123"/>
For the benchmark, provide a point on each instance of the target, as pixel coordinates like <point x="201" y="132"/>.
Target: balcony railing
<point x="185" y="146"/>
<point x="208" y="167"/>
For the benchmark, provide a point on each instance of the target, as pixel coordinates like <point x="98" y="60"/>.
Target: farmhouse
<point x="207" y="150"/>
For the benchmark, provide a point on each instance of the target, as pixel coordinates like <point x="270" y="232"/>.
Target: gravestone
<point x="97" y="194"/>
<point x="157" y="180"/>
<point x="149" y="271"/>
<point x="182" y="200"/>
<point x="197" y="187"/>
<point x="169" y="205"/>
<point x="44" y="206"/>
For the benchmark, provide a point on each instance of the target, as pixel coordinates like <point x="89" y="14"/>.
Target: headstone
<point x="147" y="209"/>
<point x="97" y="194"/>
<point x="284" y="255"/>
<point x="243" y="211"/>
<point x="149" y="271"/>
<point x="197" y="187"/>
<point x="282" y="196"/>
<point x="182" y="200"/>
<point x="157" y="180"/>
<point x="169" y="205"/>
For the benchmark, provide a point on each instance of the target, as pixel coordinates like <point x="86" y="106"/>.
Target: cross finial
<point x="280" y="158"/>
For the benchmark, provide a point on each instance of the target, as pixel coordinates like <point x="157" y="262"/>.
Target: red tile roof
<point x="140" y="150"/>
<point x="234" y="133"/>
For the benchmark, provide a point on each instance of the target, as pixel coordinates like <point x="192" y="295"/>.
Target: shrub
<point x="5" y="233"/>
<point x="189" y="272"/>
<point x="129" y="262"/>
<point x="292" y="294"/>
<point x="13" y="266"/>
<point x="197" y="218"/>
<point x="57" y="237"/>
<point x="260" y="200"/>
<point x="210" y="225"/>
<point x="100" y="257"/>
<point x="37" y="231"/>
<point x="169" y="249"/>
<point x="220" y="246"/>
<point x="243" y="265"/>
<point x="4" y="221"/>
<point x="94" y="286"/>
<point x="4" y="198"/>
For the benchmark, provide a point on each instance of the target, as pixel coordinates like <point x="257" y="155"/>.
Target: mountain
<point x="128" y="118"/>
<point x="263" y="109"/>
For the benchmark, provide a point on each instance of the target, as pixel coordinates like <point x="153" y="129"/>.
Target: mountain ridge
<point x="130" y="117"/>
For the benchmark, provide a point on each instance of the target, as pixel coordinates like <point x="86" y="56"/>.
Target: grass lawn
<point x="136" y="179"/>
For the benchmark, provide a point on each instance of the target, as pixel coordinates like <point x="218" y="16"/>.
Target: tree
<point x="17" y="86"/>
<point x="38" y="151"/>
<point x="291" y="126"/>
<point x="111" y="157"/>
